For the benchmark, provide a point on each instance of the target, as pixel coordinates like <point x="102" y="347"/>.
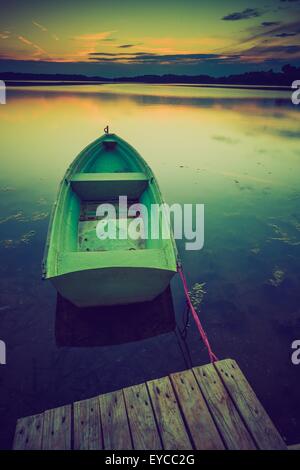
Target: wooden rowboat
<point x="90" y="271"/>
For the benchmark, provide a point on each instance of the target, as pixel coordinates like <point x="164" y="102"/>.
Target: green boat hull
<point x="86" y="270"/>
<point x="112" y="286"/>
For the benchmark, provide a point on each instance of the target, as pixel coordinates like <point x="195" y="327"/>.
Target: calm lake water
<point x="236" y="151"/>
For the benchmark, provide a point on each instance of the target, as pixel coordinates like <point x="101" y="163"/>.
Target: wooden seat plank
<point x="28" y="434"/>
<point x="57" y="429"/>
<point x="197" y="416"/>
<point x="142" y="423"/>
<point x="256" y="418"/>
<point x="168" y="417"/>
<point x="228" y="421"/>
<point x="115" y="427"/>
<point x="87" y="425"/>
<point x="104" y="186"/>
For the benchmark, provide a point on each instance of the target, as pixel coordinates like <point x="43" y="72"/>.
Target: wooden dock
<point x="207" y="407"/>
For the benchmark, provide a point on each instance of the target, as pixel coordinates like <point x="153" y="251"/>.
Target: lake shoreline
<point x="23" y="83"/>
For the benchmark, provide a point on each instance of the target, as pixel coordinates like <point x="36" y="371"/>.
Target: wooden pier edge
<point x="210" y="407"/>
<point x="294" y="447"/>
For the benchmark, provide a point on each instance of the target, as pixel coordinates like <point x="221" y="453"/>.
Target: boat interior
<point x="102" y="178"/>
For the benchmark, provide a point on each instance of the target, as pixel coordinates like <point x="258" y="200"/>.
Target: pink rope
<point x="212" y="356"/>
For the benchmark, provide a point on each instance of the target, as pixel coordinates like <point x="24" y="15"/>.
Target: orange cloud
<point x="169" y="45"/>
<point x="93" y="37"/>
<point x="40" y="26"/>
<point x="38" y="51"/>
<point x="24" y="40"/>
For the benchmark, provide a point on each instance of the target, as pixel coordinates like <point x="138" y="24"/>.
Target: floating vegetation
<point x="24" y="239"/>
<point x="27" y="237"/>
<point x="255" y="250"/>
<point x="276" y="228"/>
<point x="294" y="196"/>
<point x="6" y="189"/>
<point x="277" y="278"/>
<point x="18" y="217"/>
<point x="39" y="216"/>
<point x="7" y="243"/>
<point x="297" y="226"/>
<point x="232" y="214"/>
<point x="197" y="294"/>
<point x="284" y="236"/>
<point x="4" y="308"/>
<point x="42" y="201"/>
<point x="226" y="140"/>
<point x="247" y="188"/>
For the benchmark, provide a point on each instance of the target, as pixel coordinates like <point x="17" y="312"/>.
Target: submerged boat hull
<point x="87" y="270"/>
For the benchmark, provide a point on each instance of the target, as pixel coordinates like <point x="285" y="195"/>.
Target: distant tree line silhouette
<point x="285" y="77"/>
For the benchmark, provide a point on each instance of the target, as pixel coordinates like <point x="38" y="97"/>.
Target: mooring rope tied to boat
<point x="200" y="328"/>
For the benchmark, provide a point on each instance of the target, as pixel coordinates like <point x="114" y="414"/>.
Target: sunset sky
<point x="114" y="38"/>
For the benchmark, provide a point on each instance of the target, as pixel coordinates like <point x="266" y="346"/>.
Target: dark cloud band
<point x="242" y="15"/>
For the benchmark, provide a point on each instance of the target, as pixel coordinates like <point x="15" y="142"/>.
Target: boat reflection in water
<point x="111" y="325"/>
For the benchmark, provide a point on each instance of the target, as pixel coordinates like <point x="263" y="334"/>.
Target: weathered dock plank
<point x="207" y="407"/>
<point x="57" y="429"/>
<point x="28" y="434"/>
<point x="196" y="414"/>
<point x="142" y="423"/>
<point x="294" y="447"/>
<point x="115" y="426"/>
<point x="169" y="420"/>
<point x="87" y="425"/>
<point x="257" y="420"/>
<point x="230" y="425"/>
